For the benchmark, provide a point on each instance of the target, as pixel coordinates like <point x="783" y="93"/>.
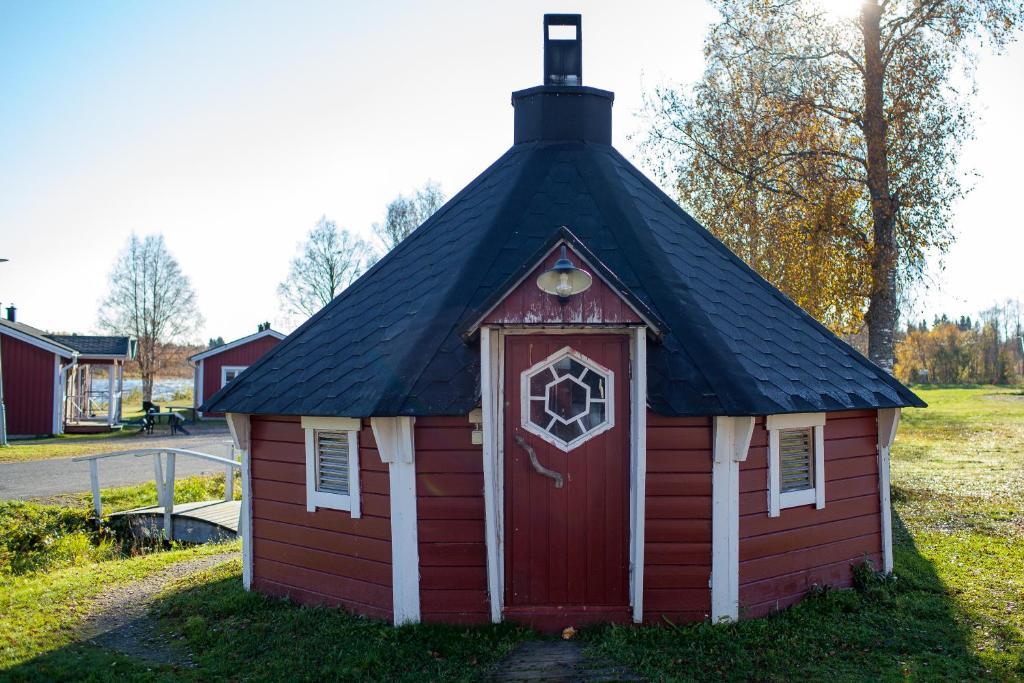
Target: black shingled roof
<point x="94" y="345"/>
<point x="391" y="343"/>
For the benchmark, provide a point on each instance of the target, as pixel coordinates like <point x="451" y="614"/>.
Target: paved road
<point x="47" y="478"/>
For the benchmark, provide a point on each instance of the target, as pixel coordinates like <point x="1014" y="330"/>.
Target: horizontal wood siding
<point x="782" y="558"/>
<point x="528" y="305"/>
<point x="246" y="355"/>
<point x="450" y="509"/>
<point x="323" y="557"/>
<point x="678" y="544"/>
<point x="28" y="387"/>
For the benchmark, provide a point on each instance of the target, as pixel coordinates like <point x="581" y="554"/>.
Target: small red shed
<point x="215" y="367"/>
<point x="560" y="401"/>
<point x="48" y="379"/>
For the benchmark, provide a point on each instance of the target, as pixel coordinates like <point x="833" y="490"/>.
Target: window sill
<point x="332" y="501"/>
<point x="792" y="499"/>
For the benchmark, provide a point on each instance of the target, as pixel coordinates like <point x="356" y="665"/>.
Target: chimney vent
<point x="12" y="313"/>
<point x="563" y="49"/>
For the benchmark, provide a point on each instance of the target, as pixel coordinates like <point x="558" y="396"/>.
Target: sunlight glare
<point x="841" y="9"/>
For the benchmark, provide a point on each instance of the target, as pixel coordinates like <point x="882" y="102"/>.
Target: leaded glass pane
<point x="568" y="399"/>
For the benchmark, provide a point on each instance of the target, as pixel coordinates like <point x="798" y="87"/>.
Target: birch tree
<point x="842" y="136"/>
<point x="151" y="299"/>
<point x="405" y="214"/>
<point x="329" y="260"/>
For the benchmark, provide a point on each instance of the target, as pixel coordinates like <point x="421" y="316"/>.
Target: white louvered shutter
<point x="796" y="460"/>
<point x="332" y="462"/>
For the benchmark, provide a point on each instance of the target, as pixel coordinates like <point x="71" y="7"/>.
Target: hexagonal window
<point x="567" y="399"/>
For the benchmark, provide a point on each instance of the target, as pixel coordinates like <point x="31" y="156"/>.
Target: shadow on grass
<point x="234" y="635"/>
<point x="910" y="629"/>
<point x="907" y="629"/>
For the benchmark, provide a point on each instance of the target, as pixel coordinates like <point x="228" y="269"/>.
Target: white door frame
<point x="492" y="397"/>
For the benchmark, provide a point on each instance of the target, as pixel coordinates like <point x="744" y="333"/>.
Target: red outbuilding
<point x="53" y="384"/>
<point x="215" y="367"/>
<point x="561" y="400"/>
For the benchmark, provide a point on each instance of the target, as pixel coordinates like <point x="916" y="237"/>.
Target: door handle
<point x="541" y="470"/>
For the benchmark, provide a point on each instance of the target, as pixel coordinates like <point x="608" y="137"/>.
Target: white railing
<point x="163" y="468"/>
<point x="94" y="405"/>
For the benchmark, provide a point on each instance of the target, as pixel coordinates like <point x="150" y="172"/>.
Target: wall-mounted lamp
<point x="564" y="279"/>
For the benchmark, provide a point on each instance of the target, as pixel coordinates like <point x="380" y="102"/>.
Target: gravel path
<point x="556" y="660"/>
<point x="120" y="618"/>
<point x="48" y="478"/>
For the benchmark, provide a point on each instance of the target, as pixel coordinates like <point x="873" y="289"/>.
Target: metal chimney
<point x="563" y="55"/>
<point x="12" y="313"/>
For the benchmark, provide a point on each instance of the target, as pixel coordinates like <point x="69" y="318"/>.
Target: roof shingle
<point x="391" y="343"/>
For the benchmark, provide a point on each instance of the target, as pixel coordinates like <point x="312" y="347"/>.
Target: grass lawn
<point x="72" y="445"/>
<point x="956" y="610"/>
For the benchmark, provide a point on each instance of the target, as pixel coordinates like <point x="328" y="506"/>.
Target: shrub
<point x="35" y="537"/>
<point x="871" y="583"/>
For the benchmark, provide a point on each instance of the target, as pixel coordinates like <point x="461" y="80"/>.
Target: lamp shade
<point x="564" y="279"/>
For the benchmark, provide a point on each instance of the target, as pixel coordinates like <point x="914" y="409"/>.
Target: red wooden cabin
<point x="561" y="401"/>
<point x="216" y="367"/>
<point x="48" y="380"/>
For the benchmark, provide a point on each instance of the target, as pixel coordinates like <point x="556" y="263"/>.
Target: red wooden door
<point x="567" y="549"/>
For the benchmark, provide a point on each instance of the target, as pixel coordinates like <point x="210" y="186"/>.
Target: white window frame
<point x="225" y="369"/>
<point x="322" y="499"/>
<point x="590" y="364"/>
<point x="777" y="499"/>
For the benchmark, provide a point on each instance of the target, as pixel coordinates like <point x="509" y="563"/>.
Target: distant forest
<point x="985" y="350"/>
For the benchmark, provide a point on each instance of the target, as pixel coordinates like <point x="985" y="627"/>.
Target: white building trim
<point x="777" y="499"/>
<point x="491" y="341"/>
<point x="198" y="393"/>
<point x="888" y="423"/>
<point x="225" y="369"/>
<point x="638" y="469"/>
<point x="239" y="426"/>
<point x="731" y="444"/>
<point x="316" y="498"/>
<point x="395" y="437"/>
<point x="52" y="347"/>
<point x="492" y="392"/>
<point x="57" y="426"/>
<point x="235" y="344"/>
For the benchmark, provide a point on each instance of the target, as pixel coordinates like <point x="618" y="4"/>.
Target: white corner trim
<point x="638" y="474"/>
<point x="239" y="427"/>
<point x="777" y="500"/>
<point x="198" y="393"/>
<point x="888" y="423"/>
<point x="395" y="437"/>
<point x="323" y="499"/>
<point x="731" y="443"/>
<point x="57" y="418"/>
<point x="490" y="349"/>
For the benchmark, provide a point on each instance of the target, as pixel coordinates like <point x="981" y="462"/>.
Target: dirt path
<point x="120" y="618"/>
<point x="556" y="660"/>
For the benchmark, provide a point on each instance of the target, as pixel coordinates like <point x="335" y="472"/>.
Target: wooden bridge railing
<point x="163" y="467"/>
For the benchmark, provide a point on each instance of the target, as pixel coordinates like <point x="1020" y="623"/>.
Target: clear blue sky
<point x="231" y="127"/>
